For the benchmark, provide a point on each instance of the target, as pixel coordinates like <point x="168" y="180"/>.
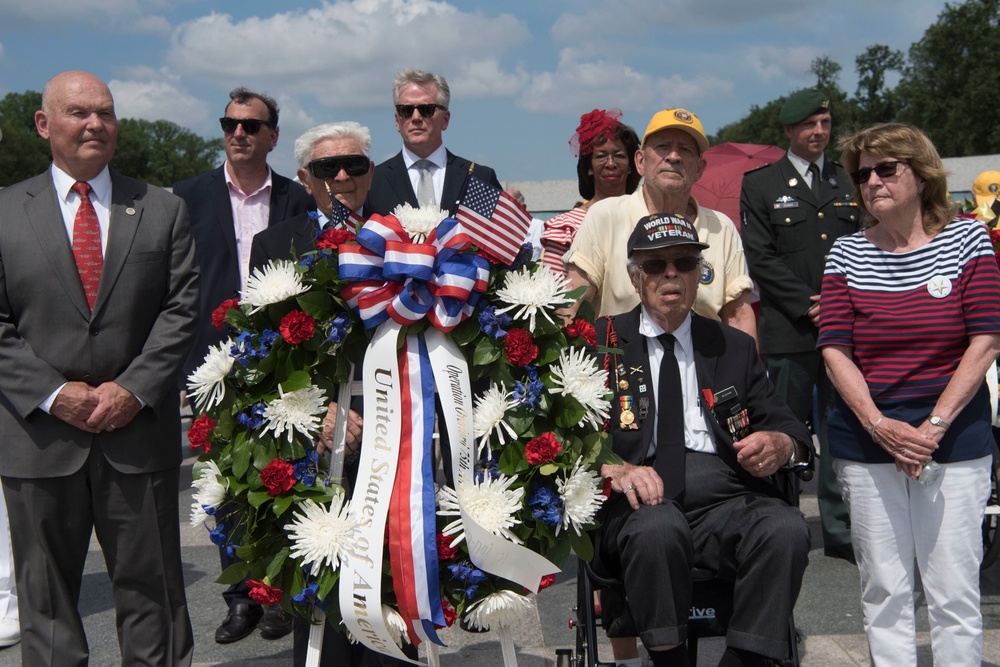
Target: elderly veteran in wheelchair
<point x="706" y="445"/>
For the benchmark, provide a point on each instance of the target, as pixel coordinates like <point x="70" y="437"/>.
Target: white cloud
<point x="156" y="94"/>
<point x="578" y="83"/>
<point x="773" y="63"/>
<point x="90" y="13"/>
<point x="345" y="53"/>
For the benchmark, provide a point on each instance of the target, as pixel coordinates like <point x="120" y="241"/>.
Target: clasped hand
<point x="910" y="447"/>
<point x="95" y="409"/>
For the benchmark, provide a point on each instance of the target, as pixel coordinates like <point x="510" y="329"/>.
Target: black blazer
<point x="391" y="184"/>
<point x="277" y="241"/>
<point x="207" y="198"/>
<point x="724" y="357"/>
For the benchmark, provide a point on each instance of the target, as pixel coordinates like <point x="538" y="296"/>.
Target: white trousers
<point x="895" y="522"/>
<point x="8" y="590"/>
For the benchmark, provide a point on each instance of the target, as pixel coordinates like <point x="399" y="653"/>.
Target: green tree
<point x="950" y="87"/>
<point x="760" y="126"/>
<point x="875" y="101"/>
<point x="22" y="152"/>
<point x="161" y="152"/>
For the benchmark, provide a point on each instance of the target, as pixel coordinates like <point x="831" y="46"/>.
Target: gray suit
<point x="61" y="481"/>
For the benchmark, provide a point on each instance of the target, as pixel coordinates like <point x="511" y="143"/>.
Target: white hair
<point x="305" y="144"/>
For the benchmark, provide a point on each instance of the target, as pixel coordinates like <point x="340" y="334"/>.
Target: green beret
<point x="802" y="104"/>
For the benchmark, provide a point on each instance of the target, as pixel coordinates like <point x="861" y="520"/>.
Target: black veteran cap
<point x="662" y="230"/>
<point x="802" y="104"/>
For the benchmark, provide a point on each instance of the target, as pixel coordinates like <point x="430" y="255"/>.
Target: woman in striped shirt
<point x="910" y="321"/>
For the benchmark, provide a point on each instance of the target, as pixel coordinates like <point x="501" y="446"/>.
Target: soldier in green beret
<point x="792" y="212"/>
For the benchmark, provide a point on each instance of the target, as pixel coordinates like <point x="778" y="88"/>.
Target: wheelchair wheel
<point x="991" y="521"/>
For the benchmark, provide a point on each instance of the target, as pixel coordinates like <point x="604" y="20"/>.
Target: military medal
<point x="643" y="404"/>
<point x="627" y="418"/>
<point x="623" y="385"/>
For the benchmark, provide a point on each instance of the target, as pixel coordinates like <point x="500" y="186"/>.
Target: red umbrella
<point x="719" y="185"/>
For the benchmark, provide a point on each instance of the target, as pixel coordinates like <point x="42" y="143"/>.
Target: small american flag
<point x="341" y="216"/>
<point x="493" y="219"/>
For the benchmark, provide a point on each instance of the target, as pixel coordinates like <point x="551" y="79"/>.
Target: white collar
<point x="100" y="184"/>
<point x="439" y="158"/>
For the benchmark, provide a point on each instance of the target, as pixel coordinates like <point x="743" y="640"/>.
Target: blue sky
<point x="521" y="71"/>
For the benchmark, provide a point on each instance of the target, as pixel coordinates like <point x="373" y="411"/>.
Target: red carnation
<point x="219" y="314"/>
<point x="546" y="581"/>
<point x="583" y="328"/>
<point x="449" y="612"/>
<point x="445" y="550"/>
<point x="261" y="593"/>
<point x="606" y="487"/>
<point x="198" y="434"/>
<point x="330" y="239"/>
<point x="520" y="349"/>
<point x="297" y="327"/>
<point x="542" y="449"/>
<point x="995" y="236"/>
<point x="278" y="476"/>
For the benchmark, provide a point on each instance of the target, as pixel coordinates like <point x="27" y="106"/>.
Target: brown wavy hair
<point x="907" y="143"/>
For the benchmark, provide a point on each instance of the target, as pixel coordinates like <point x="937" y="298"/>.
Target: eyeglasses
<point x="600" y="158"/>
<point x="426" y="110"/>
<point x="885" y="169"/>
<point x="328" y="167"/>
<point x="686" y="264"/>
<point x="250" y="125"/>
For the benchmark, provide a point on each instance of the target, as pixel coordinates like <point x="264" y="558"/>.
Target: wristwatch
<point x="937" y="421"/>
<point x="794" y="465"/>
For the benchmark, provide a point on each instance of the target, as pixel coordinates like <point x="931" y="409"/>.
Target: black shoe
<point x="240" y="622"/>
<point x="275" y="624"/>
<point x="844" y="551"/>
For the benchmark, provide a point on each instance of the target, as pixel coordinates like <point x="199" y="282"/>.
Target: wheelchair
<point x="991" y="520"/>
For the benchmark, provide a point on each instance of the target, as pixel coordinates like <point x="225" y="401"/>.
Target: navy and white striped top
<point x="908" y="317"/>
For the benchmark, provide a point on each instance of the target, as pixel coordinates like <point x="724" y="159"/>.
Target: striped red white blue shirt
<point x="908" y="316"/>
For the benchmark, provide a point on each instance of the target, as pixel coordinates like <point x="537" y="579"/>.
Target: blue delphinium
<point x="524" y="256"/>
<point x="218" y="535"/>
<point x="468" y="576"/>
<point x="305" y="468"/>
<point x="546" y="505"/>
<point x="308" y="597"/>
<point x="338" y="328"/>
<point x="528" y="393"/>
<point x="252" y="416"/>
<point x="486" y="465"/>
<point x="252" y="346"/>
<point x="492" y="323"/>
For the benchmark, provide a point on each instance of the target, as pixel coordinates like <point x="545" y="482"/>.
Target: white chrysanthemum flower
<point x="531" y="293"/>
<point x="323" y="535"/>
<point x="581" y="497"/>
<point x="419" y="222"/>
<point x="488" y="414"/>
<point x="300" y="410"/>
<point x="211" y="487"/>
<point x="273" y="284"/>
<point x="492" y="504"/>
<point x="207" y="384"/>
<point x="396" y="626"/>
<point x="578" y="375"/>
<point x="497" y="610"/>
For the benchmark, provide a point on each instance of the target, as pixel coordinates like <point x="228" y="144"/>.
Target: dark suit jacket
<point x="138" y="335"/>
<point x="391" y="184"/>
<point x="786" y="244"/>
<point x="214" y="235"/>
<point x="277" y="241"/>
<point x="724" y="357"/>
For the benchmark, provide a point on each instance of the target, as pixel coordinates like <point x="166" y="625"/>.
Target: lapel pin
<point x="130" y="211"/>
<point x="833" y="181"/>
<point x="792" y="182"/>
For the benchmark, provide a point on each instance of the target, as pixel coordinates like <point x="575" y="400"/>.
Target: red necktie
<point x="87" y="243"/>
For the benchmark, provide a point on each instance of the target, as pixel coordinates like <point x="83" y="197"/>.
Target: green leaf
<point x="486" y="352"/>
<point x="582" y="545"/>
<point x="296" y="380"/>
<point x="274" y="567"/>
<point x="548" y="469"/>
<point x="281" y="504"/>
<point x="234" y="574"/>
<point x="241" y="456"/>
<point x="257" y="498"/>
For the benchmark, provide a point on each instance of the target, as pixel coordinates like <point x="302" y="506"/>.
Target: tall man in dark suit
<point x="333" y="164"/>
<point x="98" y="306"/>
<point x="702" y="434"/>
<point x="793" y="210"/>
<point x="424" y="172"/>
<point x="228" y="206"/>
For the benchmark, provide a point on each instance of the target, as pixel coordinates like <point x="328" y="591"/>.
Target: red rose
<point x="198" y="434"/>
<point x="330" y="239"/>
<point x="449" y="612"/>
<point x="219" y="314"/>
<point x="542" y="449"/>
<point x="261" y="593"/>
<point x="546" y="581"/>
<point x="445" y="550"/>
<point x="583" y="328"/>
<point x="995" y="236"/>
<point x="278" y="476"/>
<point x="297" y="327"/>
<point x="520" y="349"/>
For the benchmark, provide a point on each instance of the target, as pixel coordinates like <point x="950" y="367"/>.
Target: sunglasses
<point x="885" y="169"/>
<point x="654" y="267"/>
<point x="426" y="110"/>
<point x="328" y="167"/>
<point x="251" y="126"/>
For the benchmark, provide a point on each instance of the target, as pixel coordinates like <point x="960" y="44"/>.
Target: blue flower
<point x="487" y="465"/>
<point x="529" y="394"/>
<point x="231" y="549"/>
<point x="308" y="597"/>
<point x="524" y="256"/>
<point x="492" y="323"/>
<point x="468" y="576"/>
<point x="338" y="328"/>
<point x="217" y="535"/>
<point x="546" y="505"/>
<point x="308" y="261"/>
<point x="252" y="417"/>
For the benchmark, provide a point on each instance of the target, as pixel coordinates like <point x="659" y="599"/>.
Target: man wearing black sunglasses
<point x="424" y="172"/>
<point x="228" y="205"/>
<point x="793" y="210"/>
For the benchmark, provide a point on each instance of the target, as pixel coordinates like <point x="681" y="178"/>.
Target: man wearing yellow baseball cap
<point x="986" y="187"/>
<point x="670" y="162"/>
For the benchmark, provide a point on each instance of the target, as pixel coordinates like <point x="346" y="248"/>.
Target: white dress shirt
<point x="438" y="160"/>
<point x="802" y="166"/>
